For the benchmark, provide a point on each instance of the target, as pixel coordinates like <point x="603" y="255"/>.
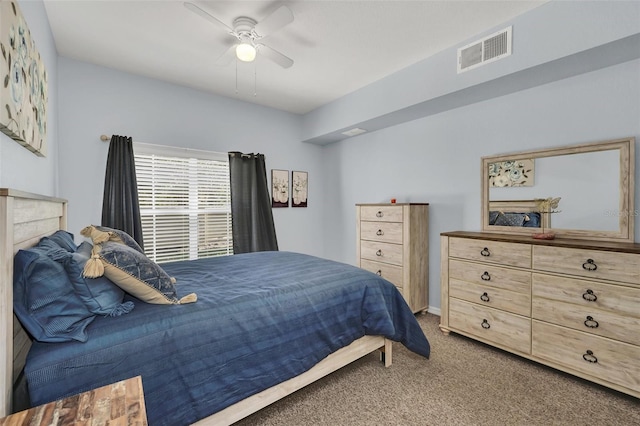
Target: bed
<point x="203" y="379"/>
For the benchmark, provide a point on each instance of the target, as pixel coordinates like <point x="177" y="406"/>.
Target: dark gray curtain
<point x="252" y="218"/>
<point x="120" y="207"/>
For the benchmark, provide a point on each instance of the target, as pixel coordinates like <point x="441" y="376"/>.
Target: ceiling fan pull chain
<point x="255" y="79"/>
<point x="236" y="76"/>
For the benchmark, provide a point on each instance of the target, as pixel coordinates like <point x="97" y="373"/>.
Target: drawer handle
<point x="591" y="323"/>
<point x="380" y="232"/>
<point x="485" y="276"/>
<point x="589" y="296"/>
<point x="589" y="265"/>
<point x="590" y="357"/>
<point x="379" y="272"/>
<point x="379" y="253"/>
<point x="485" y="252"/>
<point x="485" y="324"/>
<point x="484" y="297"/>
<point x="379" y="214"/>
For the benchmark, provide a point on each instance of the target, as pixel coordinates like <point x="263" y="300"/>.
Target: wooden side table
<point x="120" y="403"/>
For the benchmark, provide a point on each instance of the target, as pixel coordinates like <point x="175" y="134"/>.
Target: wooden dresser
<point x="573" y="305"/>
<point x="393" y="242"/>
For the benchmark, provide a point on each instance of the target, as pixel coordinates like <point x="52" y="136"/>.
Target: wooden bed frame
<point x="25" y="218"/>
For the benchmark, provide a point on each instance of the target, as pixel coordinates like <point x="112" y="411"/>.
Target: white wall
<point x="96" y="100"/>
<point x="20" y="168"/>
<point x="437" y="159"/>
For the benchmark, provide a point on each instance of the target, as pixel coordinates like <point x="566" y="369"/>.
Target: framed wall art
<point x="299" y="189"/>
<point x="511" y="173"/>
<point x="279" y="188"/>
<point x="23" y="91"/>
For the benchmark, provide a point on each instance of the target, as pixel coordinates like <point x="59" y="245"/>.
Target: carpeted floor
<point x="463" y="383"/>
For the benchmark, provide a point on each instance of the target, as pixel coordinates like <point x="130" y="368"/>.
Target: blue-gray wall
<point x="574" y="77"/>
<point x="437" y="159"/>
<point x="96" y="100"/>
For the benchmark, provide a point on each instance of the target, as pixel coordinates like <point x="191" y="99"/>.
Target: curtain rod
<point x="105" y="138"/>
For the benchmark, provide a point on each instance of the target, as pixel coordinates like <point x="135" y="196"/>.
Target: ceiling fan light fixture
<point x="248" y="33"/>
<point x="246" y="52"/>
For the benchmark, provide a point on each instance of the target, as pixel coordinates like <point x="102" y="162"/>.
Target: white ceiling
<point x="337" y="46"/>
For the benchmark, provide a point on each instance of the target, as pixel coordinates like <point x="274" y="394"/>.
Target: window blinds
<point x="185" y="202"/>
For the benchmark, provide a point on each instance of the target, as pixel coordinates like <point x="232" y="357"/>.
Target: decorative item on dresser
<point x="573" y="305"/>
<point x="392" y="241"/>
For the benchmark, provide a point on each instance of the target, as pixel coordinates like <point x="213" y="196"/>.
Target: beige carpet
<point x="463" y="383"/>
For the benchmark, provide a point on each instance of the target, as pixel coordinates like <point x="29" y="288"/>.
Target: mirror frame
<point x="627" y="181"/>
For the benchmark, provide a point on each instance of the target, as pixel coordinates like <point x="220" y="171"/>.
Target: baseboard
<point x="434" y="310"/>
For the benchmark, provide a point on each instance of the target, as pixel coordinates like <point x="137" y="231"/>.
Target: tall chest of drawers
<point x="392" y="241"/>
<point x="570" y="304"/>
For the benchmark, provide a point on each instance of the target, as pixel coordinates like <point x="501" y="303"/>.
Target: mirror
<point x="580" y="191"/>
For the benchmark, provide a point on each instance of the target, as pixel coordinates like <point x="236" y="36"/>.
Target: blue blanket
<point x="260" y="319"/>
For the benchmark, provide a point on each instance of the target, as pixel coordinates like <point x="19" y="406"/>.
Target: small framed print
<point x="299" y="189"/>
<point x="279" y="188"/>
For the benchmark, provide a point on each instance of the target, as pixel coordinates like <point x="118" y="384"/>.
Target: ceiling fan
<point x="249" y="33"/>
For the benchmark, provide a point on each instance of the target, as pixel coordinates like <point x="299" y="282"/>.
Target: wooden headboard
<point x="24" y="219"/>
<point x="520" y="206"/>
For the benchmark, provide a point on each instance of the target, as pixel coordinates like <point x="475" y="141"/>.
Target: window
<point x="185" y="202"/>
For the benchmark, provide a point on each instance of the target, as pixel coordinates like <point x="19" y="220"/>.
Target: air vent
<point x="485" y="50"/>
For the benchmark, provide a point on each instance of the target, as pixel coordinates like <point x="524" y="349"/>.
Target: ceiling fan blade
<point x="195" y="9"/>
<point x="228" y="55"/>
<point x="278" y="19"/>
<point x="275" y="56"/>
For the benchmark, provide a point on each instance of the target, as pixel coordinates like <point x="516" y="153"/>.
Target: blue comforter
<point x="260" y="319"/>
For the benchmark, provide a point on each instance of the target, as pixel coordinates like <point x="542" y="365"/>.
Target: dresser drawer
<point x="588" y="320"/>
<point x="390" y="232"/>
<point x="381" y="213"/>
<point x="596" y="264"/>
<point x="381" y="252"/>
<point x="491" y="275"/>
<point x="510" y="254"/>
<point x="388" y="272"/>
<point x="510" y="301"/>
<point x="588" y="294"/>
<point x="607" y="359"/>
<point x="509" y="330"/>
